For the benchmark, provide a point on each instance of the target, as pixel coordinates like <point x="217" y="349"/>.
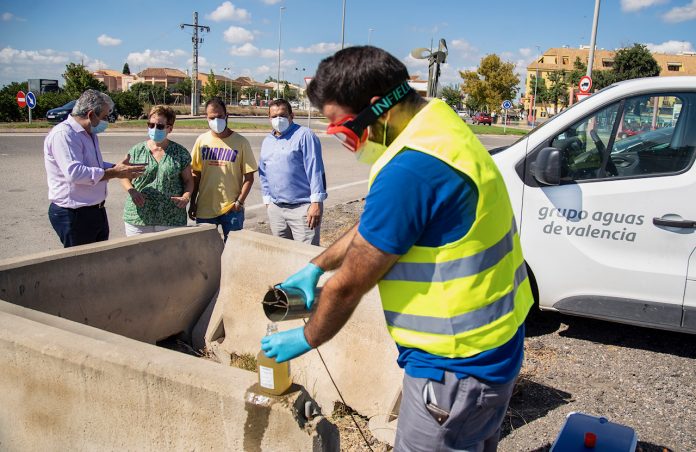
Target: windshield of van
<point x="539" y="126"/>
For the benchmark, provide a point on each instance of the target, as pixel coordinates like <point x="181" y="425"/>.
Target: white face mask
<point x="217" y="125"/>
<point x="280" y="123"/>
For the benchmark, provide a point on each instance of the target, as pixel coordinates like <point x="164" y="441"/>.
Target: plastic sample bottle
<point x="274" y="378"/>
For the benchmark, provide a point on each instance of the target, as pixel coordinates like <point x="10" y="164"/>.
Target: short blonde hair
<point x="163" y="110"/>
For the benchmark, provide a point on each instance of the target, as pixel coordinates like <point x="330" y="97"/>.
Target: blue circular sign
<point x="507" y="104"/>
<point x="31" y="100"/>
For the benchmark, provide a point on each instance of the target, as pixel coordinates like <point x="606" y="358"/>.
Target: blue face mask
<point x="157" y="135"/>
<point x="99" y="128"/>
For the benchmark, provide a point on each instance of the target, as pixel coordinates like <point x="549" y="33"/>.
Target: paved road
<point x="24" y="224"/>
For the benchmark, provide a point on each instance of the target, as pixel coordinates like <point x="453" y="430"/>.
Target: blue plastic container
<point x="608" y="436"/>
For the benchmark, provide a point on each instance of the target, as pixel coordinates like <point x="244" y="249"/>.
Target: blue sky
<point x="38" y="38"/>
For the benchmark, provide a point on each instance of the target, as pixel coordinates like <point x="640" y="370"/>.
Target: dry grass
<point x="245" y="361"/>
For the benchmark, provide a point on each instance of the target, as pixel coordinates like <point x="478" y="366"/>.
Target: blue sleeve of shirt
<point x="314" y="167"/>
<point x="417" y="199"/>
<point x="265" y="190"/>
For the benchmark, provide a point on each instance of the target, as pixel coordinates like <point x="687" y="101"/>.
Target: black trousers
<point x="79" y="226"/>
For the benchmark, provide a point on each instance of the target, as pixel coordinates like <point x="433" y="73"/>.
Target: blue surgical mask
<point x="99" y="128"/>
<point x="157" y="135"/>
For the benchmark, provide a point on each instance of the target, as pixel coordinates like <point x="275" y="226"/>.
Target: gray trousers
<point x="476" y="412"/>
<point x="291" y="223"/>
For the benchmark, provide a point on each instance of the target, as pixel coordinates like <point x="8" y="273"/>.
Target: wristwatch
<point x="241" y="204"/>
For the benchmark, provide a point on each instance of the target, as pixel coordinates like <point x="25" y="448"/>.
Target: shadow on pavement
<point x="531" y="401"/>
<point x="540" y="323"/>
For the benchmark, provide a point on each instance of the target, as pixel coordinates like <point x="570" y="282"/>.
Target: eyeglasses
<point x="152" y="125"/>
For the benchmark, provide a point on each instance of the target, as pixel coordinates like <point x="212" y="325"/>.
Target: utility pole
<point x="593" y="39"/>
<point x="194" y="76"/>
<point x="343" y="25"/>
<point x="280" y="34"/>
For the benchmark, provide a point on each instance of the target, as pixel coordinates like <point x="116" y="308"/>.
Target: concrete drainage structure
<point x="92" y="380"/>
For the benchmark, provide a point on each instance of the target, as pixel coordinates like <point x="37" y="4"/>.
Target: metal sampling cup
<point x="286" y="304"/>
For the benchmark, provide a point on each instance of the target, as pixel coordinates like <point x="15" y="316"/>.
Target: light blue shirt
<point x="290" y="167"/>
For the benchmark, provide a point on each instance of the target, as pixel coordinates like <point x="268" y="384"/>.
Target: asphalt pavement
<point x="23" y="188"/>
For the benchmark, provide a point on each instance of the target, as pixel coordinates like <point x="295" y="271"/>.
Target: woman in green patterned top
<point x="159" y="197"/>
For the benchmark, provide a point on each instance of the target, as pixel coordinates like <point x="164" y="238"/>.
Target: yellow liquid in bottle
<point x="274" y="378"/>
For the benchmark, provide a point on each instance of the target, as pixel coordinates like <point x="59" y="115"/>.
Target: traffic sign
<point x="21" y="99"/>
<point x="582" y="96"/>
<point x="307" y="80"/>
<point x="507" y="105"/>
<point x="31" y="100"/>
<point x="585" y="84"/>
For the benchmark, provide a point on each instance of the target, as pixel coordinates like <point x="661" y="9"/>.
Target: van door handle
<point x="674" y="223"/>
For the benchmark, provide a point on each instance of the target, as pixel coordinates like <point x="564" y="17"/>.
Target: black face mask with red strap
<point x="351" y="130"/>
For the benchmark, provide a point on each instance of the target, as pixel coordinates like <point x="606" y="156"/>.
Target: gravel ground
<point x="639" y="377"/>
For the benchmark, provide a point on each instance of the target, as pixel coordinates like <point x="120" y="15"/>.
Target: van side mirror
<point x="547" y="167"/>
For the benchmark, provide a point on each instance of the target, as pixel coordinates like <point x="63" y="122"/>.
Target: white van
<point x="605" y="199"/>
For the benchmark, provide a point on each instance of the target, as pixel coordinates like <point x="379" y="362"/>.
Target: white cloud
<point x="671" y="47"/>
<point x="637" y="5"/>
<point x="107" y="41"/>
<point x="155" y="58"/>
<point x="8" y="55"/>
<point x="271" y="53"/>
<point x="263" y="69"/>
<point x="238" y="35"/>
<point x="318" y="48"/>
<point x="247" y="49"/>
<point x="7" y="16"/>
<point x="272" y="2"/>
<point x="681" y="13"/>
<point x="227" y="11"/>
<point x="526" y="52"/>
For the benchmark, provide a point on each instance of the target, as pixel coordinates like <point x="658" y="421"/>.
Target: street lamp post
<point x="536" y="81"/>
<point x="280" y="33"/>
<point x="343" y="25"/>
<point x="227" y="71"/>
<point x="369" y="35"/>
<point x="593" y="39"/>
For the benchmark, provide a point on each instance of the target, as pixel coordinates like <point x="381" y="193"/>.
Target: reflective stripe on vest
<point x="463" y="322"/>
<point x="459" y="268"/>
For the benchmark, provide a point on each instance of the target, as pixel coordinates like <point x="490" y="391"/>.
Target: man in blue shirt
<point x="438" y="236"/>
<point x="291" y="170"/>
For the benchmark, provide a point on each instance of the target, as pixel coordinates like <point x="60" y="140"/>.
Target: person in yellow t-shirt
<point x="223" y="171"/>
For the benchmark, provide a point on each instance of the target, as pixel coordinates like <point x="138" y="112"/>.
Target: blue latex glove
<point x="285" y="345"/>
<point x="306" y="280"/>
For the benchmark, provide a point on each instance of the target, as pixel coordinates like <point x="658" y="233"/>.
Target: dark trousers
<point x="79" y="226"/>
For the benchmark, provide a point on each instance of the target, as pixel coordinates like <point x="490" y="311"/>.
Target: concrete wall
<point x="67" y="386"/>
<point x="146" y="288"/>
<point x="362" y="356"/>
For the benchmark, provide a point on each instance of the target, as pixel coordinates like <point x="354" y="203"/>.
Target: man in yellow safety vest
<point x="438" y="236"/>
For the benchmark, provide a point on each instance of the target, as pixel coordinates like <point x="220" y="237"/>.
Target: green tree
<point x="9" y="110"/>
<point x="634" y="62"/>
<point x="557" y="91"/>
<point x="452" y="95"/>
<point x="78" y="79"/>
<point x="493" y="82"/>
<point x="128" y="104"/>
<point x="126" y="69"/>
<point x="153" y="94"/>
<point x="212" y="88"/>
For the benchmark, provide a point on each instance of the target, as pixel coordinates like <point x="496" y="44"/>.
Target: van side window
<point x="583" y="145"/>
<point x="649" y="135"/>
<point x="654" y="136"/>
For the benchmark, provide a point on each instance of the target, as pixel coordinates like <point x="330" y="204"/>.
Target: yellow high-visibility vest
<point x="470" y="295"/>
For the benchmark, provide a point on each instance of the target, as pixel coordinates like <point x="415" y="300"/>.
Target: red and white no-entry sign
<point x="585" y="84"/>
<point x="21" y="99"/>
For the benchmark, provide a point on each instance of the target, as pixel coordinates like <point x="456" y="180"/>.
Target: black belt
<point x="96" y="206"/>
<point x="288" y="205"/>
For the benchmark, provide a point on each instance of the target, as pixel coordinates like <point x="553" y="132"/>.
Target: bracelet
<point x="237" y="201"/>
